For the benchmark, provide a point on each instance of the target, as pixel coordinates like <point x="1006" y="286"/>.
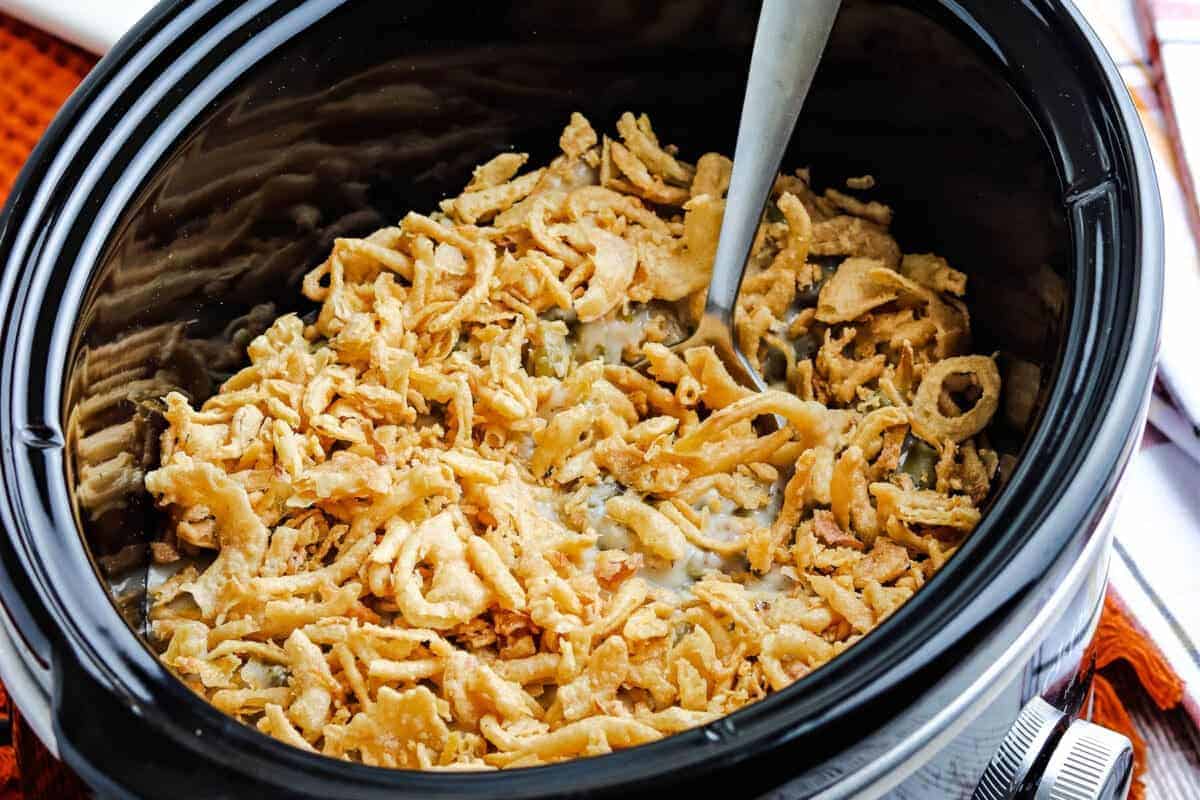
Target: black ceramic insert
<point x="209" y="161"/>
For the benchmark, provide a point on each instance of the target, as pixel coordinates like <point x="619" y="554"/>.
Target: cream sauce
<point x="609" y="337"/>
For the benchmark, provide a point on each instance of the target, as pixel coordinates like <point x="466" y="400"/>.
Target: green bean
<point x="919" y="461"/>
<point x="278" y="675"/>
<point x="552" y="357"/>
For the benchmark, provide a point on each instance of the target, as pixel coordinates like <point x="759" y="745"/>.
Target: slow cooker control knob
<point x="1012" y="769"/>
<point x="1089" y="763"/>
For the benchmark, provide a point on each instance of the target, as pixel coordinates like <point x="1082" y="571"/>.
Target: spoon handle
<point x="788" y="44"/>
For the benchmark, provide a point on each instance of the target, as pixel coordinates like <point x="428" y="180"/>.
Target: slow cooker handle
<point x="1046" y="756"/>
<point x="1088" y="762"/>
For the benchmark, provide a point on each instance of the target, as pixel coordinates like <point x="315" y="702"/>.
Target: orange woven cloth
<point x="37" y="74"/>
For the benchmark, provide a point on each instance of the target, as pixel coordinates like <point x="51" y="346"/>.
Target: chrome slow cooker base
<point x="1000" y="132"/>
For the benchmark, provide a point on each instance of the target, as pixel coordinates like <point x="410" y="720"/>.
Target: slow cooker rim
<point x="25" y="197"/>
<point x="28" y="178"/>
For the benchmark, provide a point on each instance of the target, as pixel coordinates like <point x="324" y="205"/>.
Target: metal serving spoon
<point x="788" y="44"/>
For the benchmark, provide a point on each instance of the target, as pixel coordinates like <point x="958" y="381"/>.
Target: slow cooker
<point x="212" y="157"/>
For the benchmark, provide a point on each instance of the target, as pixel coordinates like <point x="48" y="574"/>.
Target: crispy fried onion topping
<point x="937" y="418"/>
<point x="450" y="525"/>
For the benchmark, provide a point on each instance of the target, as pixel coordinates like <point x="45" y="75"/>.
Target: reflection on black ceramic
<point x="990" y="127"/>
